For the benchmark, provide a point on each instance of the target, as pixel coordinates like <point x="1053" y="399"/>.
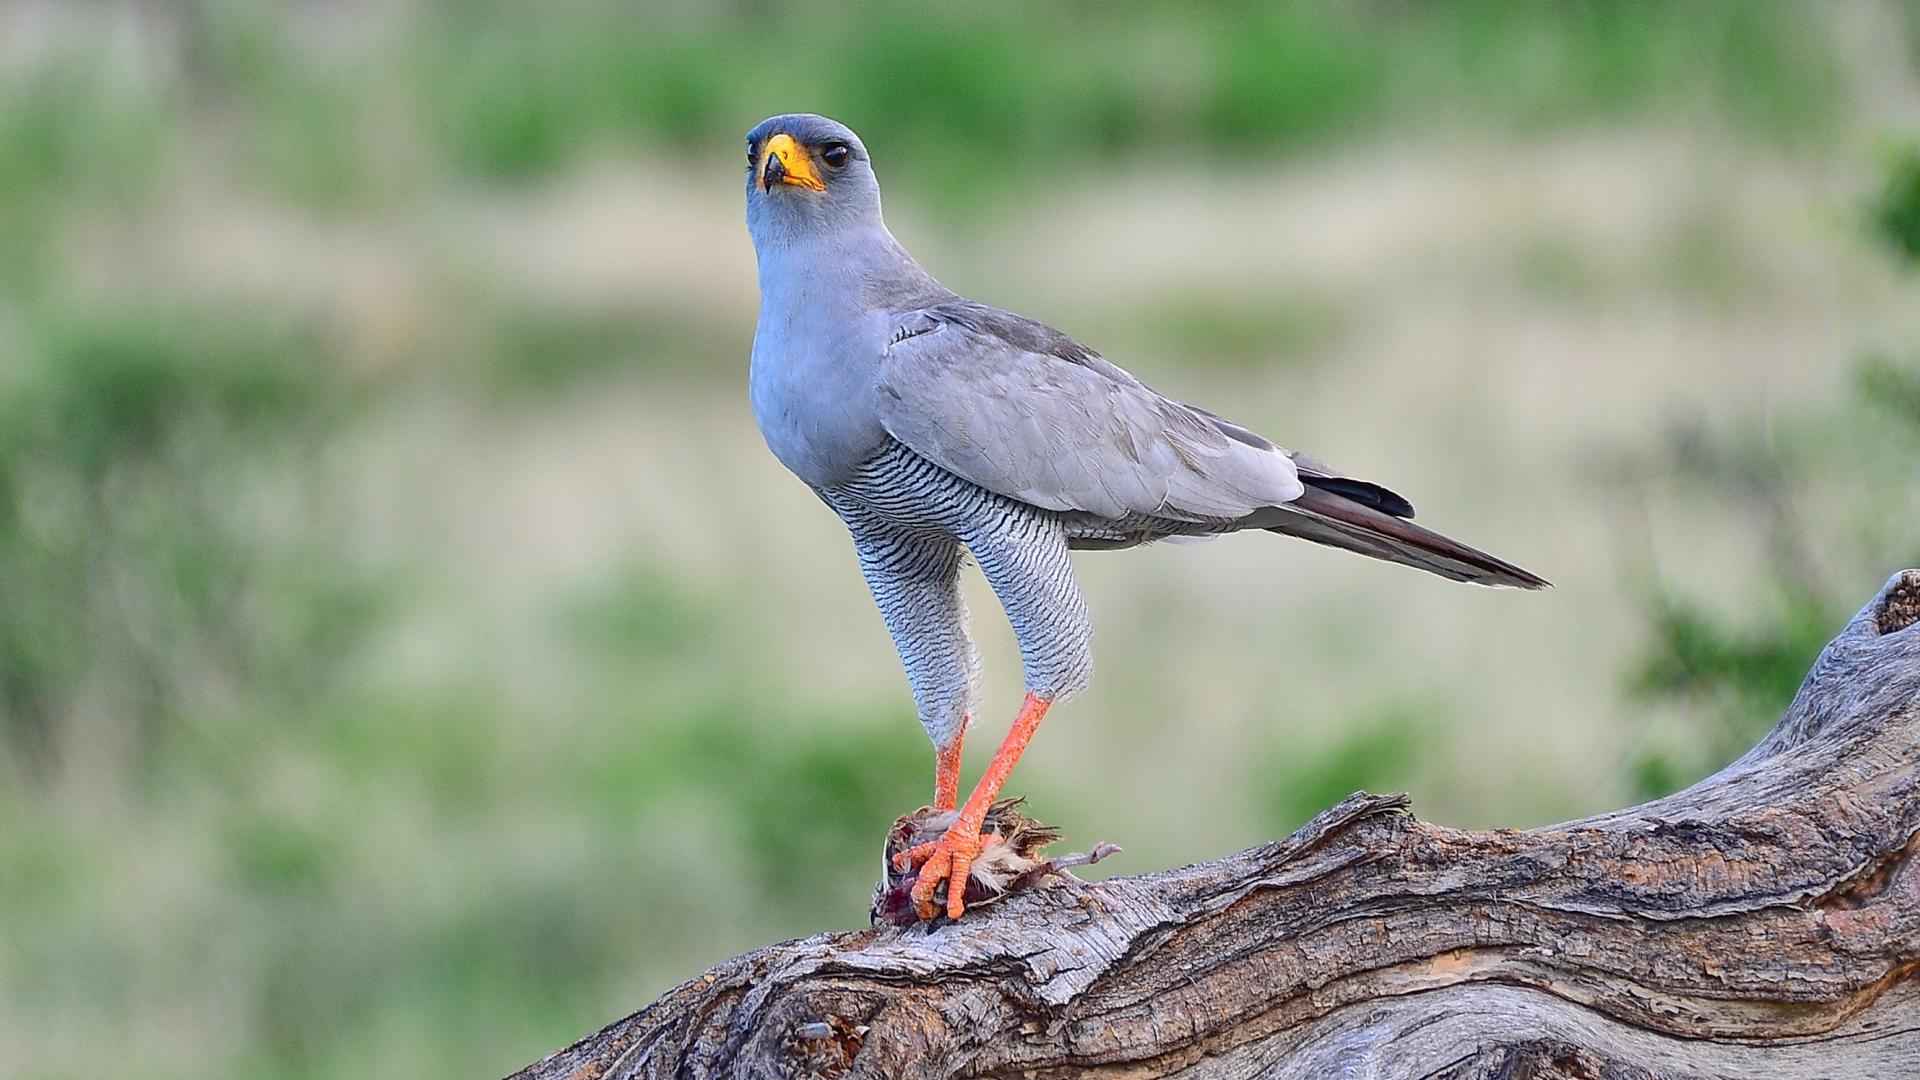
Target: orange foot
<point x="948" y="859"/>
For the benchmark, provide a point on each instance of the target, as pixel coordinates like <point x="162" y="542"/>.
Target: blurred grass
<point x="255" y="820"/>
<point x="534" y="349"/>
<point x="1379" y="749"/>
<point x="1217" y="331"/>
<point x="72" y="133"/>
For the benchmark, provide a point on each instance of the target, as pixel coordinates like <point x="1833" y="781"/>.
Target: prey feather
<point x="1011" y="860"/>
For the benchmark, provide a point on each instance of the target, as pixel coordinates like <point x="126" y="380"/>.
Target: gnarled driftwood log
<point x="1763" y="923"/>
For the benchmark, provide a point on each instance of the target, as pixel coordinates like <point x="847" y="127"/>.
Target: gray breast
<point x="812" y="389"/>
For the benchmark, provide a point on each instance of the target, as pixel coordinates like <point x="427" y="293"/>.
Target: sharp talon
<point x="932" y="872"/>
<point x="948" y="859"/>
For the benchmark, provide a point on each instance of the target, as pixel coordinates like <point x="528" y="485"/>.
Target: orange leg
<point x="946" y="771"/>
<point x="950" y="858"/>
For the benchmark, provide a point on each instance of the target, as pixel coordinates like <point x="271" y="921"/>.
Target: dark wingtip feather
<point x="1373" y="495"/>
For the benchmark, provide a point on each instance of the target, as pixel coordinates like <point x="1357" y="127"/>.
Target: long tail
<point x="1326" y="514"/>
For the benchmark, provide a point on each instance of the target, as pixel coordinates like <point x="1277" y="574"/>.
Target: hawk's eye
<point x="836" y="155"/>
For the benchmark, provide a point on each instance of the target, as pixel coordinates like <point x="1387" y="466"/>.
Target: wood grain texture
<point x="1763" y="923"/>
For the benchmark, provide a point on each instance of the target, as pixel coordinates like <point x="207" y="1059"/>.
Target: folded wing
<point x="1023" y="410"/>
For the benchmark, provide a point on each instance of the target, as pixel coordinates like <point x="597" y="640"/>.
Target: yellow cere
<point x="795" y="159"/>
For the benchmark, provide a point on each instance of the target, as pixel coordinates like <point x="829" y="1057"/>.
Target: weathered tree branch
<point x="1763" y="923"/>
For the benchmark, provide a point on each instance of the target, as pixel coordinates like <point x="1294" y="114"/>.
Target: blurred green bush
<point x="1896" y="213"/>
<point x="1733" y="676"/>
<point x="137" y="538"/>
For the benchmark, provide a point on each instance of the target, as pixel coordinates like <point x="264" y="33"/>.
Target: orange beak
<point x="784" y="162"/>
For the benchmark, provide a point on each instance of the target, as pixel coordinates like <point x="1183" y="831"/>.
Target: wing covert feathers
<point x="1021" y="409"/>
<point x="1017" y="407"/>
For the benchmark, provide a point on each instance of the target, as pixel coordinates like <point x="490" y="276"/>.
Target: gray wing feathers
<point x="1023" y="410"/>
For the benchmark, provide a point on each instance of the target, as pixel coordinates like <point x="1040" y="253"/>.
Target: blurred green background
<point x="410" y="658"/>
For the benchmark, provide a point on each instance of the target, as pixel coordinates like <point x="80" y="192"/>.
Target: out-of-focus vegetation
<point x="409" y="658"/>
<point x="1035" y="87"/>
<point x="1736" y="675"/>
<point x="1896" y="213"/>
<point x="359" y="109"/>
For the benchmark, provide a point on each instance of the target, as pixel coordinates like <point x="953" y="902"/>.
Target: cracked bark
<point x="1763" y="923"/>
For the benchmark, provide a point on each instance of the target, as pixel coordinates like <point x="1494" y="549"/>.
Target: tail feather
<point x="1326" y="517"/>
